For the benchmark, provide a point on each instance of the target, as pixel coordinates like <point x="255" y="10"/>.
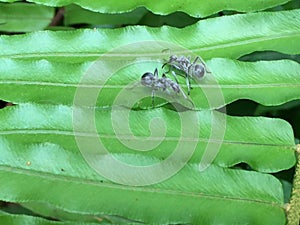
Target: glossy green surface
<point x="226" y="37"/>
<point x="50" y="82"/>
<point x="70" y="89"/>
<point x="266" y="144"/>
<point x="73" y="187"/>
<point x="193" y="7"/>
<point x="23" y="17"/>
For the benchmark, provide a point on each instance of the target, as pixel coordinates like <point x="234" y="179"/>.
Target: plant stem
<point x="293" y="213"/>
<point x="58" y="17"/>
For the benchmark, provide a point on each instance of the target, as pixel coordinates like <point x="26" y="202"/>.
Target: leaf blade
<point x="209" y="39"/>
<point x="102" y="197"/>
<point x="13" y="219"/>
<point x="14" y="18"/>
<point x="77" y="15"/>
<point x="194" y="8"/>
<point x="267" y="145"/>
<point x="61" y="83"/>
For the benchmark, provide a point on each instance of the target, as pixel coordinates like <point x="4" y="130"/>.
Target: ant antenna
<point x="166" y="61"/>
<point x="165" y="50"/>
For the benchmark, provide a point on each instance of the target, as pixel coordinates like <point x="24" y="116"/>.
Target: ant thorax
<point x="184" y="64"/>
<point x="180" y="63"/>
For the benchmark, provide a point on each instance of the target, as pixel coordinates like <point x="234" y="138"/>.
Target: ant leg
<point x="163" y="51"/>
<point x="189" y="100"/>
<point x="152" y="97"/>
<point x="202" y="62"/>
<point x="196" y="59"/>
<point x="165" y="65"/>
<point x="175" y="77"/>
<point x="206" y="70"/>
<point x="152" y="93"/>
<point x="188" y="84"/>
<point x="156" y="73"/>
<point x="188" y="78"/>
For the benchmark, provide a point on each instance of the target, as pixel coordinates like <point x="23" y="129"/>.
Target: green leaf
<point x="228" y="37"/>
<point x="8" y="219"/>
<point x="275" y="111"/>
<point x="194" y="8"/>
<point x="56" y="83"/>
<point x="267" y="145"/>
<point x="77" y="15"/>
<point x="176" y="19"/>
<point x="23" y="17"/>
<point x="256" y="81"/>
<point x="236" y="196"/>
<point x="51" y="211"/>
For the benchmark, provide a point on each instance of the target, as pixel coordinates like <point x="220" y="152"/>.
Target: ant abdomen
<point x="198" y="71"/>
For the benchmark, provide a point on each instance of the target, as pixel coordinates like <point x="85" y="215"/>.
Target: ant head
<point x="147" y="79"/>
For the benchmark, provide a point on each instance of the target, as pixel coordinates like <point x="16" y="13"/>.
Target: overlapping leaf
<point x="8" y="219"/>
<point x="22" y="17"/>
<point x="140" y="16"/>
<point x="266" y="145"/>
<point x="56" y="83"/>
<point x="194" y="8"/>
<point x="77" y="15"/>
<point x="76" y="188"/>
<point x="228" y="37"/>
<point x="37" y="142"/>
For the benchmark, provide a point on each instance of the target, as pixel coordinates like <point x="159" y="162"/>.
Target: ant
<point x="165" y="84"/>
<point x="195" y="70"/>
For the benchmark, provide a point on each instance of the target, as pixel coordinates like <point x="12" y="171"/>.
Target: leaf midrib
<point x="133" y="137"/>
<point x="78" y="85"/>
